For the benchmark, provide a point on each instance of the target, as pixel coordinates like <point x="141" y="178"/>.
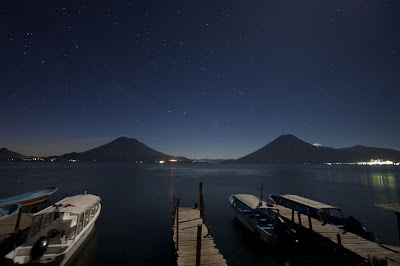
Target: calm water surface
<point x="134" y="226"/>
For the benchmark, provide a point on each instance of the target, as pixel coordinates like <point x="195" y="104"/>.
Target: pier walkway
<point x="365" y="249"/>
<point x="193" y="245"/>
<point x="7" y="226"/>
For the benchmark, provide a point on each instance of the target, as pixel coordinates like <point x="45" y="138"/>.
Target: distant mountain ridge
<point x="288" y="149"/>
<point x="122" y="149"/>
<point x="6" y="155"/>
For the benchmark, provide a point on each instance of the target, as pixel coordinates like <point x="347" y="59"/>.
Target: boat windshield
<point x="60" y="227"/>
<point x="273" y="212"/>
<point x="240" y="205"/>
<point x="68" y="223"/>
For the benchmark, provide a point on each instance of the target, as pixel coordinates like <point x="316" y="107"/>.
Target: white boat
<point x="261" y="218"/>
<point x="57" y="231"/>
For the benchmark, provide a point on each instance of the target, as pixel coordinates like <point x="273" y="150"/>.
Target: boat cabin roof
<point x="390" y="206"/>
<point x="250" y="200"/>
<point x="75" y="204"/>
<point x="307" y="202"/>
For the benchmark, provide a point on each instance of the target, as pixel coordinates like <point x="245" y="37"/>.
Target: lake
<point x="134" y="226"/>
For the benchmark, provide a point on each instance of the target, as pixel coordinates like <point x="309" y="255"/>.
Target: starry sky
<point x="215" y="79"/>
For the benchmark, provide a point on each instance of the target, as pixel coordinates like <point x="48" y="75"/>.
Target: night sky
<point x="215" y="79"/>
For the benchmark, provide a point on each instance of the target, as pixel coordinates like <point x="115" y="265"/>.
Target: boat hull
<point x="63" y="259"/>
<point x="252" y="226"/>
<point x="29" y="198"/>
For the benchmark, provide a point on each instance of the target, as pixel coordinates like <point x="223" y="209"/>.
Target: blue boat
<point x="325" y="213"/>
<point x="9" y="210"/>
<point x="317" y="210"/>
<point x="29" y="198"/>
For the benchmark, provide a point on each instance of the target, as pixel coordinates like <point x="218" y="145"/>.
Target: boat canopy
<point x="76" y="204"/>
<point x="249" y="200"/>
<point x="307" y="202"/>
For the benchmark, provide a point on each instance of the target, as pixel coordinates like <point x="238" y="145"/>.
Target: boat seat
<point x="69" y="219"/>
<point x="70" y="234"/>
<point x="265" y="228"/>
<point x="264" y="223"/>
<point x="55" y="240"/>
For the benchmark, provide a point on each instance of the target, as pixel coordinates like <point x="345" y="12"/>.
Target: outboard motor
<point x="354" y="226"/>
<point x="39" y="248"/>
<point x="280" y="227"/>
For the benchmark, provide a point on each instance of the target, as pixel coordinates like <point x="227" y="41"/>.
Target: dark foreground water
<point x="134" y="227"/>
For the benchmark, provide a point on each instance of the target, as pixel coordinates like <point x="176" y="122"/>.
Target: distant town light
<point x="372" y="162"/>
<point x="376" y="162"/>
<point x="173" y="160"/>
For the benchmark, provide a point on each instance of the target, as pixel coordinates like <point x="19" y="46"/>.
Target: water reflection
<point x="171" y="190"/>
<point x="379" y="181"/>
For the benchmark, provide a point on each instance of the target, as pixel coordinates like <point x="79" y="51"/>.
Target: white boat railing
<point x="51" y="249"/>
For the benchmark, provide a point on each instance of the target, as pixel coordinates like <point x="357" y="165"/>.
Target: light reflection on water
<point x="171" y="189"/>
<point x="369" y="177"/>
<point x="379" y="181"/>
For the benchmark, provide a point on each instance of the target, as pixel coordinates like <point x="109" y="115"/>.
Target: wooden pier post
<point x="293" y="213"/>
<point x="339" y="241"/>
<point x="16" y="230"/>
<point x="177" y="225"/>
<point x="309" y="222"/>
<point x="325" y="218"/>
<point x="398" y="222"/>
<point x="299" y="218"/>
<point x="174" y="210"/>
<point x="198" y="247"/>
<point x="201" y="201"/>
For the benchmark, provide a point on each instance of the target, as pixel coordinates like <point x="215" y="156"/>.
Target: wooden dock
<point x="187" y="227"/>
<point x="360" y="246"/>
<point x="193" y="244"/>
<point x="366" y="250"/>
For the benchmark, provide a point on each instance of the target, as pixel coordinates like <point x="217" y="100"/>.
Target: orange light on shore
<point x="173" y="160"/>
